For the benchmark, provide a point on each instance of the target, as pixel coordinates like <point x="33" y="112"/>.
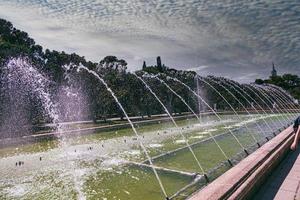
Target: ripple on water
<point x="212" y="130"/>
<point x="180" y="141"/>
<point x="198" y="137"/>
<point x="155" y="145"/>
<point x="16" y="191"/>
<point x="112" y="162"/>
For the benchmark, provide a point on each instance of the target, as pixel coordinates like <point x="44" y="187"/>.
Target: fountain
<point x="22" y="81"/>
<point x="240" y="103"/>
<point x="234" y="111"/>
<point x="267" y="97"/>
<point x="131" y="124"/>
<point x="163" y="157"/>
<point x="198" y="118"/>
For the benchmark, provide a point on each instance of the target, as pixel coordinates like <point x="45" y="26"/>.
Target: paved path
<point x="284" y="182"/>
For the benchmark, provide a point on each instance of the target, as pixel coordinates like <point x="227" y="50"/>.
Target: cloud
<point x="233" y="38"/>
<point x="200" y="68"/>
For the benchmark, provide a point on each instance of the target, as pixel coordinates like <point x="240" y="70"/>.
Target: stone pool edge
<point x="241" y="181"/>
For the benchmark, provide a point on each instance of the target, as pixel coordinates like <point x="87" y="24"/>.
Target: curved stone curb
<point x="241" y="181"/>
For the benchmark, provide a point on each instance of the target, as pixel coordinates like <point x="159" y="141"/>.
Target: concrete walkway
<point x="284" y="182"/>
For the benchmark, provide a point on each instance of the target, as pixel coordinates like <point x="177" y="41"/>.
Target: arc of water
<point x="293" y="108"/>
<point x="279" y="98"/>
<point x="285" y="95"/>
<point x="175" y="124"/>
<point x="235" y="85"/>
<point x="283" y="91"/>
<point x="257" y="125"/>
<point x="256" y="102"/>
<point x="213" y="111"/>
<point x="235" y="89"/>
<point x="180" y="97"/>
<point x="39" y="85"/>
<point x="285" y="107"/>
<point x="281" y="103"/>
<point x="267" y="96"/>
<point x="131" y="124"/>
<point x="211" y="86"/>
<point x="271" y="110"/>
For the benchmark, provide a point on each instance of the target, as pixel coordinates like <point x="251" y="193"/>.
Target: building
<point x="273" y="72"/>
<point x="158" y="61"/>
<point x="144" y="65"/>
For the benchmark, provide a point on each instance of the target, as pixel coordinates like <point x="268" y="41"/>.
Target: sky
<point x="235" y="39"/>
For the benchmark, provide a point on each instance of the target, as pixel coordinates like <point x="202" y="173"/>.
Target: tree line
<point x="132" y="94"/>
<point x="288" y="82"/>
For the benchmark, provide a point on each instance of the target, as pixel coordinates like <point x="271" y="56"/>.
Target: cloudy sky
<point x="236" y="39"/>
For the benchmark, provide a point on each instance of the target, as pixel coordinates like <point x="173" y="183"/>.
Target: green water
<point x="132" y="183"/>
<point x="99" y="165"/>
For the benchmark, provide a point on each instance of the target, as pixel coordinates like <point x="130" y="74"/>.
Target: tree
<point x="144" y="65"/>
<point x="113" y="62"/>
<point x="288" y="82"/>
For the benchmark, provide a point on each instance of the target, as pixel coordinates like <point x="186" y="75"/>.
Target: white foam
<point x="136" y="178"/>
<point x="113" y="162"/>
<point x="212" y="130"/>
<point x="198" y="137"/>
<point x="180" y="141"/>
<point x="17" y="191"/>
<point x="126" y="192"/>
<point x="133" y="152"/>
<point x="203" y="133"/>
<point x="155" y="145"/>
